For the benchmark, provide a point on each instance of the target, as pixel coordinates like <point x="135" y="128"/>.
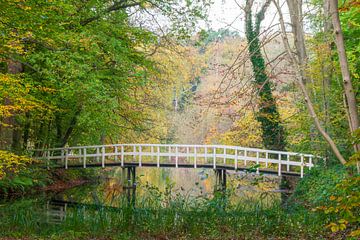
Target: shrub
<point x="12" y="164"/>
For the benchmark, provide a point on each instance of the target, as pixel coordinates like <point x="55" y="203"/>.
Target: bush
<point x="11" y="163"/>
<point x="318" y="185"/>
<point x="18" y="174"/>
<point x="334" y="193"/>
<point x="344" y="206"/>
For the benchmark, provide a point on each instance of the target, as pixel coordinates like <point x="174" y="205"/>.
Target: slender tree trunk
<point x="40" y="134"/>
<point x="15" y="68"/>
<point x="26" y="130"/>
<point x="296" y="16"/>
<point x="345" y="72"/>
<point x="16" y="135"/>
<point x="327" y="67"/>
<point x="71" y="127"/>
<point x="300" y="82"/>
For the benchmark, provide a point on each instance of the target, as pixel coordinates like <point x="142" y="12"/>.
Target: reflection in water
<point x="108" y="193"/>
<point x="55" y="212"/>
<point x="190" y="182"/>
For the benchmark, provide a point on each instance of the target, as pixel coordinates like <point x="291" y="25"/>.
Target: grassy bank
<point x="34" y="179"/>
<point x="166" y="215"/>
<point x="20" y="175"/>
<point x="180" y="219"/>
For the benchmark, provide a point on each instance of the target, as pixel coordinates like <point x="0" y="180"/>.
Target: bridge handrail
<point x="181" y="145"/>
<point x="138" y="151"/>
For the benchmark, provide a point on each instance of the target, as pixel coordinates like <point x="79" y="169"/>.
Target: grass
<point x="169" y="214"/>
<point x="164" y="215"/>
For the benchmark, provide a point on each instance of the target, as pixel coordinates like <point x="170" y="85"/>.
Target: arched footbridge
<point x="218" y="157"/>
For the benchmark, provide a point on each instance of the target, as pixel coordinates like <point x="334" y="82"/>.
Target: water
<point x="155" y="185"/>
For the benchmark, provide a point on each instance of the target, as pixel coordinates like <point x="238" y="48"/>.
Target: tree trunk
<point x="15" y="68"/>
<point x="26" y="130"/>
<point x="273" y="133"/>
<point x="71" y="127"/>
<point x="345" y="72"/>
<point x="327" y="67"/>
<point x="296" y="16"/>
<point x="299" y="80"/>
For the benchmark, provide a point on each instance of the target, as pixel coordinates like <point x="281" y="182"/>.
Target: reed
<point x="165" y="214"/>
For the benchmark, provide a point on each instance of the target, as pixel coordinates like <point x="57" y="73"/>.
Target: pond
<point x="162" y="196"/>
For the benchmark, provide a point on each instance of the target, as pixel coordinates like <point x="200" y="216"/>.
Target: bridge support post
<point x="129" y="183"/>
<point x="287" y="186"/>
<point x="220" y="182"/>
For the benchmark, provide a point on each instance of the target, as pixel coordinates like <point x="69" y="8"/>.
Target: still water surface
<point x="189" y="183"/>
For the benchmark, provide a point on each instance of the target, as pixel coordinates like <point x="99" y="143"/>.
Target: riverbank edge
<point x="52" y="181"/>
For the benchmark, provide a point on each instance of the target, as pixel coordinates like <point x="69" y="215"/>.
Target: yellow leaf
<point x="342" y="226"/>
<point x="355" y="233"/>
<point x="343" y="221"/>
<point x="334" y="228"/>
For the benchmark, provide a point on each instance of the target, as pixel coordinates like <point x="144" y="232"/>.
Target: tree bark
<point x="296" y="16"/>
<point x="345" y="72"/>
<point x="71" y="127"/>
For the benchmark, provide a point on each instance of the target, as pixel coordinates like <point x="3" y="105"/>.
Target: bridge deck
<point x="184" y="156"/>
<point x="165" y="165"/>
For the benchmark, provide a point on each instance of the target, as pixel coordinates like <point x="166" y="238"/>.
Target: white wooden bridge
<point x="179" y="156"/>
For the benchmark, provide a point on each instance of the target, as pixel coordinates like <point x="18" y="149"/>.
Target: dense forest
<point x="77" y="73"/>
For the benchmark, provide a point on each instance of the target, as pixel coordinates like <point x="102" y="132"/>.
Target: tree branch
<point x="115" y="7"/>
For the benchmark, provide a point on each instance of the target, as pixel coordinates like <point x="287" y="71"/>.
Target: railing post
<point x="140" y="156"/>
<point x="158" y="157"/>
<point x="310" y="162"/>
<point x="279" y="170"/>
<point x="152" y="153"/>
<point x="116" y="153"/>
<point x="134" y="153"/>
<point x="169" y="154"/>
<point x="66" y="158"/>
<point x="176" y="156"/>
<point x="245" y="156"/>
<point x="97" y="154"/>
<point x="187" y="153"/>
<point x="257" y="162"/>
<point x="80" y="154"/>
<point x="62" y="156"/>
<point x="122" y="155"/>
<point x="195" y="158"/>
<point x="48" y="159"/>
<point x="266" y="160"/>
<point x="214" y="157"/>
<point x="84" y="158"/>
<point x="224" y="156"/>
<point x="103" y="157"/>
<point x="236" y="158"/>
<point x="205" y="155"/>
<point x="302" y="166"/>
<point x="288" y="162"/>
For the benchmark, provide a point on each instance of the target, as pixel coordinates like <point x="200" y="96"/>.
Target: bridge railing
<point x="180" y="155"/>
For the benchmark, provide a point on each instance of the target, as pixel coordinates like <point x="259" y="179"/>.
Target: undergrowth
<point x="172" y="215"/>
